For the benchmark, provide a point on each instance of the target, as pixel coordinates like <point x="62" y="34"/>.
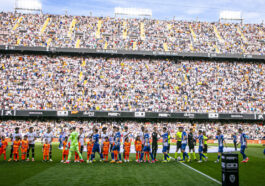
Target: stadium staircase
<point x="219" y="39"/>
<point x="192" y="33"/>
<point x="44" y="25"/>
<point x="193" y="38"/>
<point x="106" y="45"/>
<point x="242" y="35"/>
<point x="80" y="76"/>
<point x="77" y="44"/>
<point x="72" y="27"/>
<point x="18" y="41"/>
<point x="49" y="42"/>
<point x="124" y="33"/>
<point x="98" y="29"/>
<point x="17" y="23"/>
<point x="83" y="63"/>
<point x="134" y="45"/>
<point x="217" y="34"/>
<point x="165" y="47"/>
<point x="244" y="39"/>
<point x="216" y="49"/>
<point x="142" y="31"/>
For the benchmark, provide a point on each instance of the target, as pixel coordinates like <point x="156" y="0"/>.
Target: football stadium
<point x="132" y="92"/>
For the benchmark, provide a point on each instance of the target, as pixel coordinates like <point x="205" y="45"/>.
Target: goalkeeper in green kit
<point x="74" y="145"/>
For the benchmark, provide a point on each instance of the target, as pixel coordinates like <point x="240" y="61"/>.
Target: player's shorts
<point x="146" y="149"/>
<point x="200" y="149"/>
<point x="96" y="148"/>
<point x="264" y="152"/>
<point x="81" y="149"/>
<point x="164" y="148"/>
<point x="191" y="146"/>
<point x="139" y="149"/>
<point x="111" y="146"/>
<point x="1" y="150"/>
<point x="183" y="146"/>
<point x="66" y="152"/>
<point x="116" y="147"/>
<point x="243" y="147"/>
<point x="205" y="148"/>
<point x="105" y="151"/>
<point x="74" y="148"/>
<point x="89" y="151"/>
<point x="154" y="146"/>
<point x="178" y="144"/>
<point x="221" y="149"/>
<point x="168" y="147"/>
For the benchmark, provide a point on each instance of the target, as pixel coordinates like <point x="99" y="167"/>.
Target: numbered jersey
<point x="82" y="139"/>
<point x="220" y="139"/>
<point x="125" y="135"/>
<point x="31" y="137"/>
<point x="103" y="136"/>
<point x="96" y="139"/>
<point x="48" y="136"/>
<point x="184" y="138"/>
<point x="165" y="139"/>
<point x="146" y="140"/>
<point x="73" y="138"/>
<point x="117" y="138"/>
<point x="200" y="140"/>
<point x="243" y="139"/>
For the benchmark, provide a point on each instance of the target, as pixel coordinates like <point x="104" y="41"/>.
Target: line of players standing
<point x="26" y="144"/>
<point x="111" y="142"/>
<point x="142" y="144"/>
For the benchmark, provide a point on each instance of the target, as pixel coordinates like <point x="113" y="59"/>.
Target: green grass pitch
<point x="172" y="173"/>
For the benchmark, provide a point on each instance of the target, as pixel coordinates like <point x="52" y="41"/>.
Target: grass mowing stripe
<point x="201" y="173"/>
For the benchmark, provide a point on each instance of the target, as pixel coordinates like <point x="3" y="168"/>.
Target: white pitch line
<point x="201" y="173"/>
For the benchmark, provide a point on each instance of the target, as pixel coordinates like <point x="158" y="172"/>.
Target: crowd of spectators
<point x="254" y="131"/>
<point x="130" y="84"/>
<point x="130" y="34"/>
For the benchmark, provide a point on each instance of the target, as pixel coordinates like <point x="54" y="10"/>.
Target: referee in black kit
<point x="154" y="143"/>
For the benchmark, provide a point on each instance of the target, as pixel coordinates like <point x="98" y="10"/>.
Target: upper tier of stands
<point x="130" y="34"/>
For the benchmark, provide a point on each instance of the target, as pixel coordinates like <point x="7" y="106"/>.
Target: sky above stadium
<point x="204" y="10"/>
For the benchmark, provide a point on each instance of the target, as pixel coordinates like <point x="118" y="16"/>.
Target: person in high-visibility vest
<point x="178" y="138"/>
<point x="169" y="138"/>
<point x="168" y="148"/>
<point x="205" y="146"/>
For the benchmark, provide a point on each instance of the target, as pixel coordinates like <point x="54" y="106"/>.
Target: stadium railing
<point x="10" y="48"/>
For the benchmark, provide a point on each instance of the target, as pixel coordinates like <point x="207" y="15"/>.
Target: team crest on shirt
<point x="232" y="178"/>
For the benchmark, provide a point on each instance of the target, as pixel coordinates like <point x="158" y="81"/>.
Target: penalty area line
<point x="209" y="177"/>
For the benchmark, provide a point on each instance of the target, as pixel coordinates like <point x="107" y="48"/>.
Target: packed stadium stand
<point x="130" y="84"/>
<point x="130" y="34"/>
<point x="190" y="87"/>
<point x="61" y="71"/>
